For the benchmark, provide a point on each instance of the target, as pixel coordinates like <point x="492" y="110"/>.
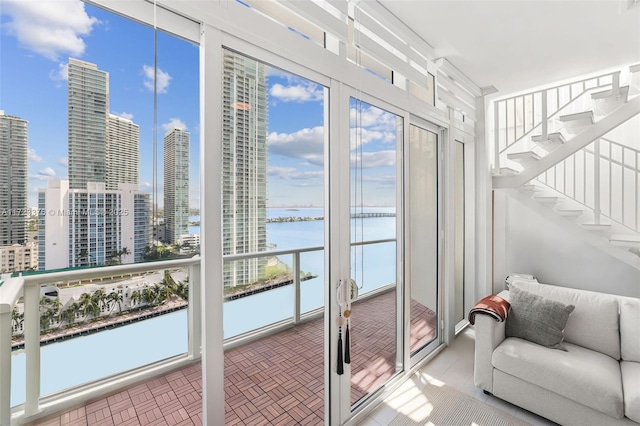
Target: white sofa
<point x="595" y="382"/>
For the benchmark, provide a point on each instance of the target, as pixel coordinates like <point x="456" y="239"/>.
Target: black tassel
<point x="347" y="345"/>
<point x="340" y="363"/>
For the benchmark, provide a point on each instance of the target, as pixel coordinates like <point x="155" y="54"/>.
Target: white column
<point x="296" y="287"/>
<point x="194" y="312"/>
<point x="5" y="364"/>
<point x="32" y="347"/>
<point x="211" y="295"/>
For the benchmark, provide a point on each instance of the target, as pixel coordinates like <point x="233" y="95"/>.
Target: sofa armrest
<point x="489" y="334"/>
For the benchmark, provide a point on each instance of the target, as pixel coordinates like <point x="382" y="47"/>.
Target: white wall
<point x="537" y="246"/>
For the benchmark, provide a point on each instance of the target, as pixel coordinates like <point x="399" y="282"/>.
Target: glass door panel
<point x="273" y="141"/>
<point x="459" y="234"/>
<point x="422" y="237"/>
<point x="376" y="137"/>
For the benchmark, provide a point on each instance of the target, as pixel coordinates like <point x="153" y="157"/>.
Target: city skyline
<point x="33" y="68"/>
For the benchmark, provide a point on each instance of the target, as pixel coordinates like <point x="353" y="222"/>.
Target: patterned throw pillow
<point x="537" y="319"/>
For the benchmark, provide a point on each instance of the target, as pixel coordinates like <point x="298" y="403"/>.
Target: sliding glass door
<point x="422" y="240"/>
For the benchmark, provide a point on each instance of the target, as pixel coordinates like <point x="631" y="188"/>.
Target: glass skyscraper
<point x="88" y="107"/>
<point x="244" y="179"/>
<point x="13" y="179"/>
<point x="176" y="184"/>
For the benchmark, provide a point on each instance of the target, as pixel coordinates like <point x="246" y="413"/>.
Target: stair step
<point x="626" y="241"/>
<point x="576" y="123"/>
<point x="603" y="228"/>
<point x="524" y="158"/>
<point x="570" y="213"/>
<point x="605" y="103"/>
<point x="552" y="141"/>
<point x="529" y="188"/>
<point x="504" y="171"/>
<point x="546" y="199"/>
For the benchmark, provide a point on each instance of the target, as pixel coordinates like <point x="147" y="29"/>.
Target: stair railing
<point x="604" y="177"/>
<point x="517" y="117"/>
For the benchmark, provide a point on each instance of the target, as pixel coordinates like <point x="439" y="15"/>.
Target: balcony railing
<point x="29" y="287"/>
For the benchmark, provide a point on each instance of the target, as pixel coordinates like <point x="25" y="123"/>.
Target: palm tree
<point x="135" y="297"/>
<point x="17" y="318"/>
<point x="100" y="298"/>
<point x="115" y="297"/>
<point x="124" y="252"/>
<point x="89" y="305"/>
<point x="149" y="295"/>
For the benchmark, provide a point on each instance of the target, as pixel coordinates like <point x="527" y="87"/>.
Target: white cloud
<point x="33" y="156"/>
<point x="364" y="136"/>
<point x="297" y="93"/>
<point x="373" y="118"/>
<point x="64" y="162"/>
<point x="373" y="159"/>
<point x="293" y="173"/>
<point x="61" y="74"/>
<point x="146" y="186"/>
<point x="307" y="144"/>
<point x="123" y="114"/>
<point x="174" y="123"/>
<point x="47" y="171"/>
<point x="49" y="28"/>
<point x="163" y="79"/>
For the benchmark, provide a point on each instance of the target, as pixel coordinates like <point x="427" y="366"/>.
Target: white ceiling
<point x="521" y="44"/>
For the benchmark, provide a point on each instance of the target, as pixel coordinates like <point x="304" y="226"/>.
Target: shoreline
<point x="102" y="324"/>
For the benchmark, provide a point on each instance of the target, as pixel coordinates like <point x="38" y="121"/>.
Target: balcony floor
<point x="275" y="380"/>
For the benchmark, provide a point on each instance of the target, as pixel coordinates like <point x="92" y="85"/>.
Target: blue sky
<point x="37" y="38"/>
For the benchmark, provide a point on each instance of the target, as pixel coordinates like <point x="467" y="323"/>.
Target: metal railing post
<point x="5" y="365"/>
<point x="545" y="119"/>
<point x="615" y="84"/>
<point x="296" y="287"/>
<point x="194" y="312"/>
<point x="596" y="181"/>
<point x="32" y="347"/>
<point x="496" y="136"/>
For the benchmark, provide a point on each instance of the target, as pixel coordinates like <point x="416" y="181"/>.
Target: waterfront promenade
<point x="106" y="323"/>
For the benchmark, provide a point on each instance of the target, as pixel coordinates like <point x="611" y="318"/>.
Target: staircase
<point x="552" y="154"/>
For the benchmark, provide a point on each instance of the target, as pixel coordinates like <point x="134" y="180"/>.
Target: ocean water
<point x="84" y="359"/>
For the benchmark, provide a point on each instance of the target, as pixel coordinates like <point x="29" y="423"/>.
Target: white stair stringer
<point x="608" y="245"/>
<point x="590" y="134"/>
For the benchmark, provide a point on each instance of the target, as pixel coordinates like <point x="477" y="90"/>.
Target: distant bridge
<point x="368" y="215"/>
<point x="306" y="219"/>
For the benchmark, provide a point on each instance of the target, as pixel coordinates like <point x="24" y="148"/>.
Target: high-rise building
<point x="13" y="179"/>
<point x="88" y="108"/>
<point x="244" y="178"/>
<point x="19" y="257"/>
<point x="176" y="184"/>
<point x="122" y="153"/>
<point x="92" y="226"/>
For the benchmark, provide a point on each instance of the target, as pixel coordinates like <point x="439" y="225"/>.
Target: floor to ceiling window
<point x="273" y="139"/>
<point x="109" y="109"/>
<point x="376" y="141"/>
<point x="422" y="238"/>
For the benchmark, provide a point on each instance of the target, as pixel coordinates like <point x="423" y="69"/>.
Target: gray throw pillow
<point x="537" y="319"/>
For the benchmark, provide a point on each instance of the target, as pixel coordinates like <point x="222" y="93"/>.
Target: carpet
<point x="446" y="406"/>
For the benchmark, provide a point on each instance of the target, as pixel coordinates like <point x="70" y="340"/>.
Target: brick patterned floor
<point x="276" y="380"/>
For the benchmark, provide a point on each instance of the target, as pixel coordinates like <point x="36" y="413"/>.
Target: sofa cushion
<point x="629" y="323"/>
<point x="537" y="319"/>
<point x="580" y="374"/>
<point x="631" y="386"/>
<point x="593" y="324"/>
